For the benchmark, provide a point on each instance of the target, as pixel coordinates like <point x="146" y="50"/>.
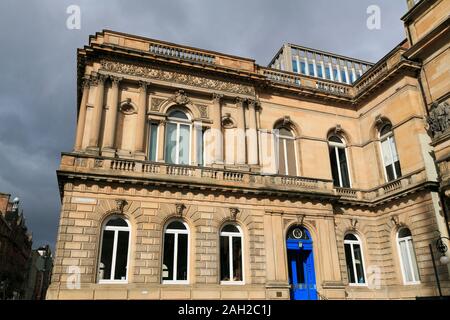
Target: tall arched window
<point x="113" y="265"/>
<point x="338" y="160"/>
<point x="175" y="267"/>
<point x="354" y="259"/>
<point x="287" y="155"/>
<point x="408" y="261"/>
<point x="231" y="258"/>
<point x="389" y="152"/>
<point x="178" y="138"/>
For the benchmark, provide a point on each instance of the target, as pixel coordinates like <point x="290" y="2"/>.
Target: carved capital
<point x="115" y="80"/>
<point x="239" y="101"/>
<point x="143" y="85"/>
<point x="217" y="97"/>
<point x="86" y="82"/>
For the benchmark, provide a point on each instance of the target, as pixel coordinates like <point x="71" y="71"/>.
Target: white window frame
<point x="355" y="274"/>
<point x="337" y="146"/>
<point x="402" y="266"/>
<point x="284" y="138"/>
<point x="114" y="253"/>
<point x="176" y="232"/>
<point x="389" y="138"/>
<point x="178" y="122"/>
<point x="230" y="236"/>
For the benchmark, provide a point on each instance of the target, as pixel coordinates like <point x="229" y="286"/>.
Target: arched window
<point x="287" y="158"/>
<point x="408" y="261"/>
<point x="354" y="259"/>
<point x="113" y="265"/>
<point x="389" y="152"/>
<point x="176" y="253"/>
<point x="178" y="137"/>
<point x="338" y="160"/>
<point x="231" y="246"/>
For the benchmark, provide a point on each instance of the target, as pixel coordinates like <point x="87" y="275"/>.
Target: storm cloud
<point x="38" y="66"/>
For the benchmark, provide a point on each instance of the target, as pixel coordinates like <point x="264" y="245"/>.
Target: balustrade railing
<point x="282" y="77"/>
<point x="181" y="53"/>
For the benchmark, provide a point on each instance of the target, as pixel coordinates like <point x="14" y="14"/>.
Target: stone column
<point x="141" y="119"/>
<point x="252" y="138"/>
<point x="97" y="116"/>
<point x="82" y="115"/>
<point x="111" y="119"/>
<point x="240" y="132"/>
<point x="161" y="140"/>
<point x="217" y="129"/>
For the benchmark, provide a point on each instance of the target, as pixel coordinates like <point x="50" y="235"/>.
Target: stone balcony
<point x="75" y="165"/>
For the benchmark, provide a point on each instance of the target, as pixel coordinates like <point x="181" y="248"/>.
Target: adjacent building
<point x="202" y="175"/>
<point x="39" y="273"/>
<point x="15" y="249"/>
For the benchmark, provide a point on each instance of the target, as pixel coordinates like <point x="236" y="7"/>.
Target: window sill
<point x="113" y="282"/>
<point x="412" y="283"/>
<point x="174" y="282"/>
<point x="358" y="284"/>
<point x="232" y="283"/>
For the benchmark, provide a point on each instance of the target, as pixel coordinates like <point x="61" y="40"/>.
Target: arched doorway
<point x="300" y="256"/>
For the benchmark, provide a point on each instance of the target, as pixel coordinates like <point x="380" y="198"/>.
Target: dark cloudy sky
<point x="38" y="66"/>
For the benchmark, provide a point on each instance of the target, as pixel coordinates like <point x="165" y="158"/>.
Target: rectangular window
<point x="335" y="74"/>
<point x="122" y="255"/>
<point x="349" y="262"/>
<point x="343" y="76"/>
<point x="184" y="144"/>
<point x="303" y="67"/>
<point x="294" y="65"/>
<point x="319" y="71"/>
<point x="328" y="73"/>
<point x="237" y="258"/>
<point x="153" y="141"/>
<point x="311" y="69"/>
<point x="182" y="256"/>
<point x="224" y="259"/>
<point x="171" y="143"/>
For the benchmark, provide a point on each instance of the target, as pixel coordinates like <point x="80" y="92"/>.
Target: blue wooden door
<point x="301" y="270"/>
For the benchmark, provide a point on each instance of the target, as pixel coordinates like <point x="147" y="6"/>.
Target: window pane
<point x="311" y="69"/>
<point x="178" y="225"/>
<point x="290" y="148"/>
<point x="343" y="76"/>
<point x="294" y="65"/>
<point x="122" y="256"/>
<point x="224" y="259"/>
<point x="390" y="172"/>
<point x="153" y="141"/>
<point x="169" y="246"/>
<point x="184" y="144"/>
<point x="359" y="263"/>
<point x="117" y="222"/>
<point x="334" y="167"/>
<point x="303" y="67"/>
<point x="386" y="152"/>
<point x="106" y="258"/>
<point x="348" y="259"/>
<point x="281" y="158"/>
<point x="398" y="169"/>
<point x="199" y="146"/>
<point x="414" y="271"/>
<point x="405" y="261"/>
<point x="319" y="71"/>
<point x="344" y="168"/>
<point x="178" y="114"/>
<point x="171" y="143"/>
<point x="230" y="228"/>
<point x="182" y="259"/>
<point x="328" y="73"/>
<point x="335" y="74"/>
<point x="237" y="259"/>
<point x="394" y="149"/>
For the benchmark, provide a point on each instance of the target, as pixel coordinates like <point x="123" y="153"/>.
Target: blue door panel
<point x="302" y="277"/>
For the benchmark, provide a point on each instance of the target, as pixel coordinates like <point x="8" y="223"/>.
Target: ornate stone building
<point x="201" y="175"/>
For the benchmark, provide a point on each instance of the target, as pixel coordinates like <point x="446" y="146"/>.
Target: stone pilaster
<point x="98" y="110"/>
<point x="111" y="119"/>
<point x="141" y="119"/>
<point x="240" y="132"/>
<point x="82" y="116"/>
<point x="161" y="140"/>
<point x="252" y="137"/>
<point x="217" y="129"/>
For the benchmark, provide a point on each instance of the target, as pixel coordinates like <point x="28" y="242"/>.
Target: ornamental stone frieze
<point x="176" y="77"/>
<point x="438" y="119"/>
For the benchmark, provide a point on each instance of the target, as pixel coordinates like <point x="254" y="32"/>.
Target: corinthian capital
<point x="239" y="101"/>
<point x="216" y="97"/>
<point x="115" y="80"/>
<point x="143" y="85"/>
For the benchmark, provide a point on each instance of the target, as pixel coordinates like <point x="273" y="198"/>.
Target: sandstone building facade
<point x="201" y="175"/>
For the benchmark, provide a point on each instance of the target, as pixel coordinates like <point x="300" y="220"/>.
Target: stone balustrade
<point x="215" y="177"/>
<point x="182" y="53"/>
